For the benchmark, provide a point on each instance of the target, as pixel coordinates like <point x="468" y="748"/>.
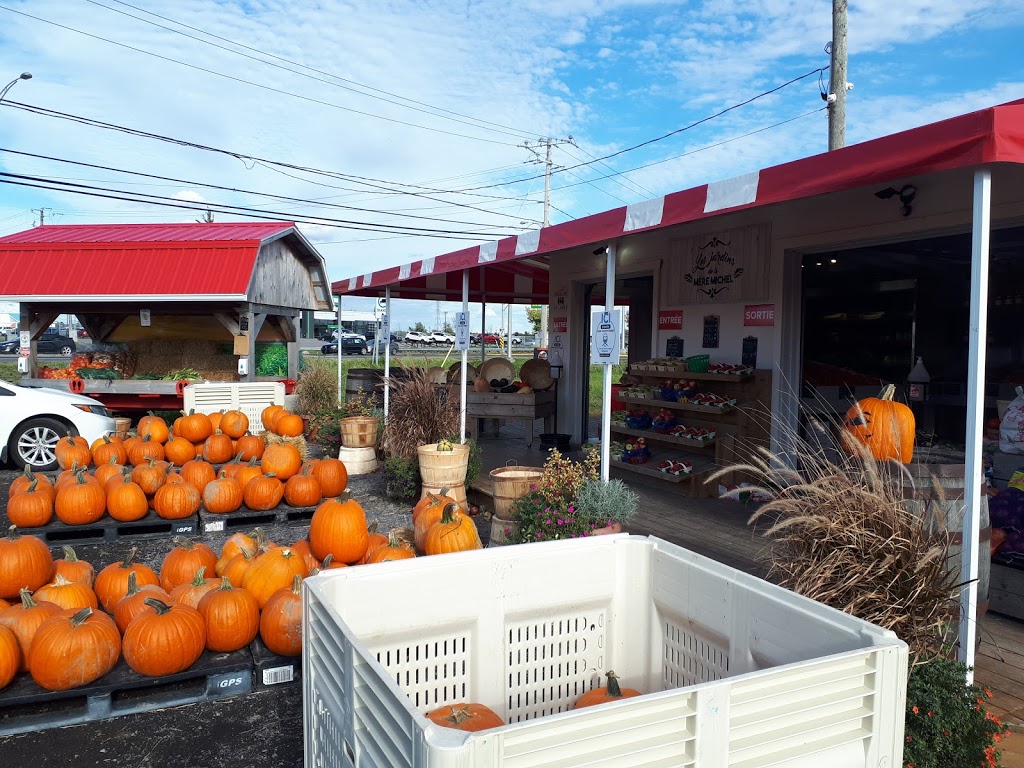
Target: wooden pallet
<point x="152" y="526"/>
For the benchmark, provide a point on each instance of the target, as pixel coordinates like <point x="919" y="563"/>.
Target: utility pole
<point x="42" y="214"/>
<point x="548" y="144"/>
<point x="837" y="78"/>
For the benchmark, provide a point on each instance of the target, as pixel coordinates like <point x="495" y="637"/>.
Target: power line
<point x="252" y="83"/>
<point x="635" y="186"/>
<point x="503" y="128"/>
<point x="284" y="198"/>
<point x="170" y="202"/>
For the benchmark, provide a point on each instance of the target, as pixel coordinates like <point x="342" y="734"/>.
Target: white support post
<point x="606" y="390"/>
<point x="977" y="332"/>
<point x="387" y="352"/>
<point x="340" y="353"/>
<point x="465" y="360"/>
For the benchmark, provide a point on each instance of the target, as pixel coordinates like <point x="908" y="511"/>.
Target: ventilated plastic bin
<point x="735" y="671"/>
<point x="249" y="397"/>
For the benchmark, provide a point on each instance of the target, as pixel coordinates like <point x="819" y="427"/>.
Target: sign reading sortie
<point x="759" y="314"/>
<point x="670" y="320"/>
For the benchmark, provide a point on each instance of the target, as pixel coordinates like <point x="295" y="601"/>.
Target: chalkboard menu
<point x="750" y="351"/>
<point x="674" y="347"/>
<point x="711" y="323"/>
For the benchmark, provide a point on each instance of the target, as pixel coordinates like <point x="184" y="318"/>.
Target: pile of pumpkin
<point x="161" y="469"/>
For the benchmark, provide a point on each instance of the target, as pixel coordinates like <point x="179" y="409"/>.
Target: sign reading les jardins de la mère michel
<point x="727" y="266"/>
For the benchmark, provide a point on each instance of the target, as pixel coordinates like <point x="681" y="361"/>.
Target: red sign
<point x="759" y="314"/>
<point x="670" y="320"/>
<point x="560" y="325"/>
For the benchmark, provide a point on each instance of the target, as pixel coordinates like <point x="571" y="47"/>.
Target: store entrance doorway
<point x="635" y="296"/>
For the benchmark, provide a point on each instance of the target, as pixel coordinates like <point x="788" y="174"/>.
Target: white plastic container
<point x="736" y="671"/>
<point x="249" y="397"/>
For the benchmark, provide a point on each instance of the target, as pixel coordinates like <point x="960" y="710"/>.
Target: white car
<point x="33" y="419"/>
<point x="440" y="337"/>
<point x="415" y="337"/>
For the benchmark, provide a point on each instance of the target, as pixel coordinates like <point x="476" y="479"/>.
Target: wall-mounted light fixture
<point x="906" y="195"/>
<point x="599" y="251"/>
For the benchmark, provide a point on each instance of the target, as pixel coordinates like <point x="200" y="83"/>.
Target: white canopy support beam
<point x="341" y="347"/>
<point x="606" y="390"/>
<point x="386" y="333"/>
<point x="977" y="333"/>
<point x="465" y="359"/>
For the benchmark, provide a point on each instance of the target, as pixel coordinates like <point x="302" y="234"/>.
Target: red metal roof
<point x="993" y="135"/>
<point x="123" y="261"/>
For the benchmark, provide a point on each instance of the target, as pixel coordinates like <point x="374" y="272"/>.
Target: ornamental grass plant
<point x="317" y="388"/>
<point x="419" y="413"/>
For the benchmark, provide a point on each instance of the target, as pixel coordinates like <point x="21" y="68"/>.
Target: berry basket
<point x="698" y="363"/>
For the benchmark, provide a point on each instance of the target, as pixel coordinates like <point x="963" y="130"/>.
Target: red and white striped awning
<point x="515" y="268"/>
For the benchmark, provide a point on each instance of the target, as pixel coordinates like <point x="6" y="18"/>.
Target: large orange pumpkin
<point x="247" y="473"/>
<point x="72" y="450"/>
<point x="454" y="533"/>
<point x="73" y="569"/>
<point x="81" y="502"/>
<point x="198" y="473"/>
<point x="126" y="501"/>
<point x="25" y="561"/>
<point x="107" y="448"/>
<point x="283" y="459"/>
<point x="395" y="550"/>
<point x="234" y="424"/>
<point x="23" y="619"/>
<point x="288" y="425"/>
<point x="10" y="655"/>
<point x="427" y="513"/>
<point x="176" y="501"/>
<point x="178" y="451"/>
<point x="112" y="582"/>
<point x="885" y="427"/>
<point x="31" y="508"/>
<point x="164" y="639"/>
<point x="338" y="528"/>
<point x="195" y="427"/>
<point x="182" y="562"/>
<point x="88" y="636"/>
<point x="303" y="489"/>
<point x="155" y="428"/>
<point x="267" y="416"/>
<point x="375" y="541"/>
<point x="606" y="693"/>
<point x="273" y="570"/>
<point x="132" y="604"/>
<point x="67" y="594"/>
<point x="333" y="477"/>
<point x="232" y="618"/>
<point x="108" y="470"/>
<point x="143" y="450"/>
<point x="218" y="448"/>
<point x="150" y="476"/>
<point x="466" y="717"/>
<point x="263" y="493"/>
<point x="23" y="481"/>
<point x="223" y="495"/>
<point x="281" y="620"/>
<point x="250" y="447"/>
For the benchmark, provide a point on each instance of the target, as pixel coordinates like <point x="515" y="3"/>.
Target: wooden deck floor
<point x="719" y="529"/>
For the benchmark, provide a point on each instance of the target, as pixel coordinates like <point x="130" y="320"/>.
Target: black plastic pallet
<point x="152" y="526"/>
<point x="269" y="669"/>
<point x="210" y="522"/>
<point x="24" y="706"/>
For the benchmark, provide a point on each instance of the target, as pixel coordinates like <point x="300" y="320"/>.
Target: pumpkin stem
<point x="183" y="542"/>
<point x="459" y="715"/>
<point x="888" y="392"/>
<point x="449" y="512"/>
<point x="225" y="583"/>
<point x="271" y="474"/>
<point x="28" y="473"/>
<point x="113" y="460"/>
<point x="344" y="496"/>
<point x="326" y="562"/>
<point x="106" y="440"/>
<point x="147" y="438"/>
<point x="12" y="532"/>
<point x="252" y="461"/>
<point x="32" y="486"/>
<point x="60" y="581"/>
<point x="158" y="605"/>
<point x="129" y="561"/>
<point x="613" y="685"/>
<point x="27" y="601"/>
<point x="133" y="585"/>
<point x="200" y="577"/>
<point x="168" y="469"/>
<point x="444" y="490"/>
<point x="297" y="584"/>
<point x="79" y="618"/>
<point x="69" y="554"/>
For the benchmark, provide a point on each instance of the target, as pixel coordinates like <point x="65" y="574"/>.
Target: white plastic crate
<point x="249" y="397"/>
<point x="736" y="671"/>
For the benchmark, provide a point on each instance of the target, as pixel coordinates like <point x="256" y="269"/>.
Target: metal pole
<point x="837" y="78"/>
<point x="340" y="353"/>
<point x="975" y="416"/>
<point x="606" y="392"/>
<point x="483" y="331"/>
<point x="387" y="351"/>
<point x="465" y="359"/>
<point x="508" y="333"/>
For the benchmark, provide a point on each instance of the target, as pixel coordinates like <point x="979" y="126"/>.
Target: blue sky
<point x="609" y="73"/>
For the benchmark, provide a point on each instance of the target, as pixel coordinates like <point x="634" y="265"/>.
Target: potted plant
<point x="317" y="391"/>
<point x="611" y="503"/>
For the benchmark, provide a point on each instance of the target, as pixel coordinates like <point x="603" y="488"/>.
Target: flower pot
<point x="607" y="530"/>
<point x="358" y="431"/>
<point x="440" y="468"/>
<point x="499" y="526"/>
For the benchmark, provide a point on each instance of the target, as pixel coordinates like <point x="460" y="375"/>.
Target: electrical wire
<point x="635" y="185"/>
<point x="263" y="86"/>
<point x="505" y="129"/>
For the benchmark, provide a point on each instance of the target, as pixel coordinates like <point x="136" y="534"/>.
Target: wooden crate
<point x="1006" y="591"/>
<point x="535" y="405"/>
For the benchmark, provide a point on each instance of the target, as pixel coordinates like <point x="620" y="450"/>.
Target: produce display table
<point x="528" y="408"/>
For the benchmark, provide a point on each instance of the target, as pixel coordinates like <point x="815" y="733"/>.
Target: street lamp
<point x="22" y="76"/>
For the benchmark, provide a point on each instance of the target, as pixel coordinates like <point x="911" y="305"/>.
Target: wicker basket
<point x="512" y="483"/>
<point x="358" y="431"/>
<point x="439" y="468"/>
<point x="121" y="426"/>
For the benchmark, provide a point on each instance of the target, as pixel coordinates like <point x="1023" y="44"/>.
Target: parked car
<point x="415" y="337"/>
<point x="50" y="343"/>
<point x="33" y="419"/>
<point x="353" y="345"/>
<point x="82" y="333"/>
<point x="440" y="337"/>
<point x="395" y="347"/>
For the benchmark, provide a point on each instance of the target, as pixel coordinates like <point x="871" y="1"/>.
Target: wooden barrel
<point x="439" y="468"/>
<point x="365" y="380"/>
<point x="502" y="531"/>
<point x="121" y="426"/>
<point x="938" y="494"/>
<point x="457" y="492"/>
<point x="512" y="483"/>
<point x="358" y="461"/>
<point x="359" y="431"/>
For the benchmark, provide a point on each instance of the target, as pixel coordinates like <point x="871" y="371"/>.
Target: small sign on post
<point x="145" y="319"/>
<point x="604" y="337"/>
<point x="462" y="331"/>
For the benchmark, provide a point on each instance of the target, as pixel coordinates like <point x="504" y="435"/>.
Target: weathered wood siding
<point x="281" y="279"/>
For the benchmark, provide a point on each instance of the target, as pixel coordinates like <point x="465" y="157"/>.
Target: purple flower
<point x="538" y="534"/>
<point x="559" y="521"/>
<point x="548" y="521"/>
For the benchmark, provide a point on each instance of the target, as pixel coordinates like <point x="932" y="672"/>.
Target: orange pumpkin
<point x="282" y="459"/>
<point x="236" y="567"/>
<point x="247" y="473"/>
<point x="250" y="447"/>
<point x="195" y="427"/>
<point x="155" y="428"/>
<point x="178" y="451"/>
<point x="281" y="620"/>
<point x="288" y="425"/>
<point x="145" y="449"/>
<point x="885" y="427"/>
<point x="232" y="467"/>
<point x="81" y="502"/>
<point x="301" y="547"/>
<point x="108" y="449"/>
<point x="232" y="618"/>
<point x="454" y="533"/>
<point x="427" y="513"/>
<point x="112" y="582"/>
<point x="24" y="619"/>
<point x="108" y="470"/>
<point x="218" y="448"/>
<point x="271" y="571"/>
<point x="466" y="717"/>
<point x="10" y="655"/>
<point x="191" y="592"/>
<point x="23" y="481"/>
<point x="198" y="473"/>
<point x="88" y="636"/>
<point x="67" y="594"/>
<point x="375" y="541"/>
<point x="182" y="562"/>
<point x="333" y="477"/>
<point x="606" y="693"/>
<point x="395" y="550"/>
<point x="234" y="424"/>
<point x="73" y="569"/>
<point x="223" y="495"/>
<point x="132" y="604"/>
<point x="31" y="508"/>
<point x="176" y="501"/>
<point x="243" y="542"/>
<point x="164" y="639"/>
<point x="72" y="450"/>
<point x="150" y="476"/>
<point x="338" y="528"/>
<point x="263" y="493"/>
<point x="215" y="419"/>
<point x="126" y="501"/>
<point x="267" y="416"/>
<point x="302" y="490"/>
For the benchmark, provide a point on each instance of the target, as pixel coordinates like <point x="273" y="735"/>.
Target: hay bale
<point x="299" y="442"/>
